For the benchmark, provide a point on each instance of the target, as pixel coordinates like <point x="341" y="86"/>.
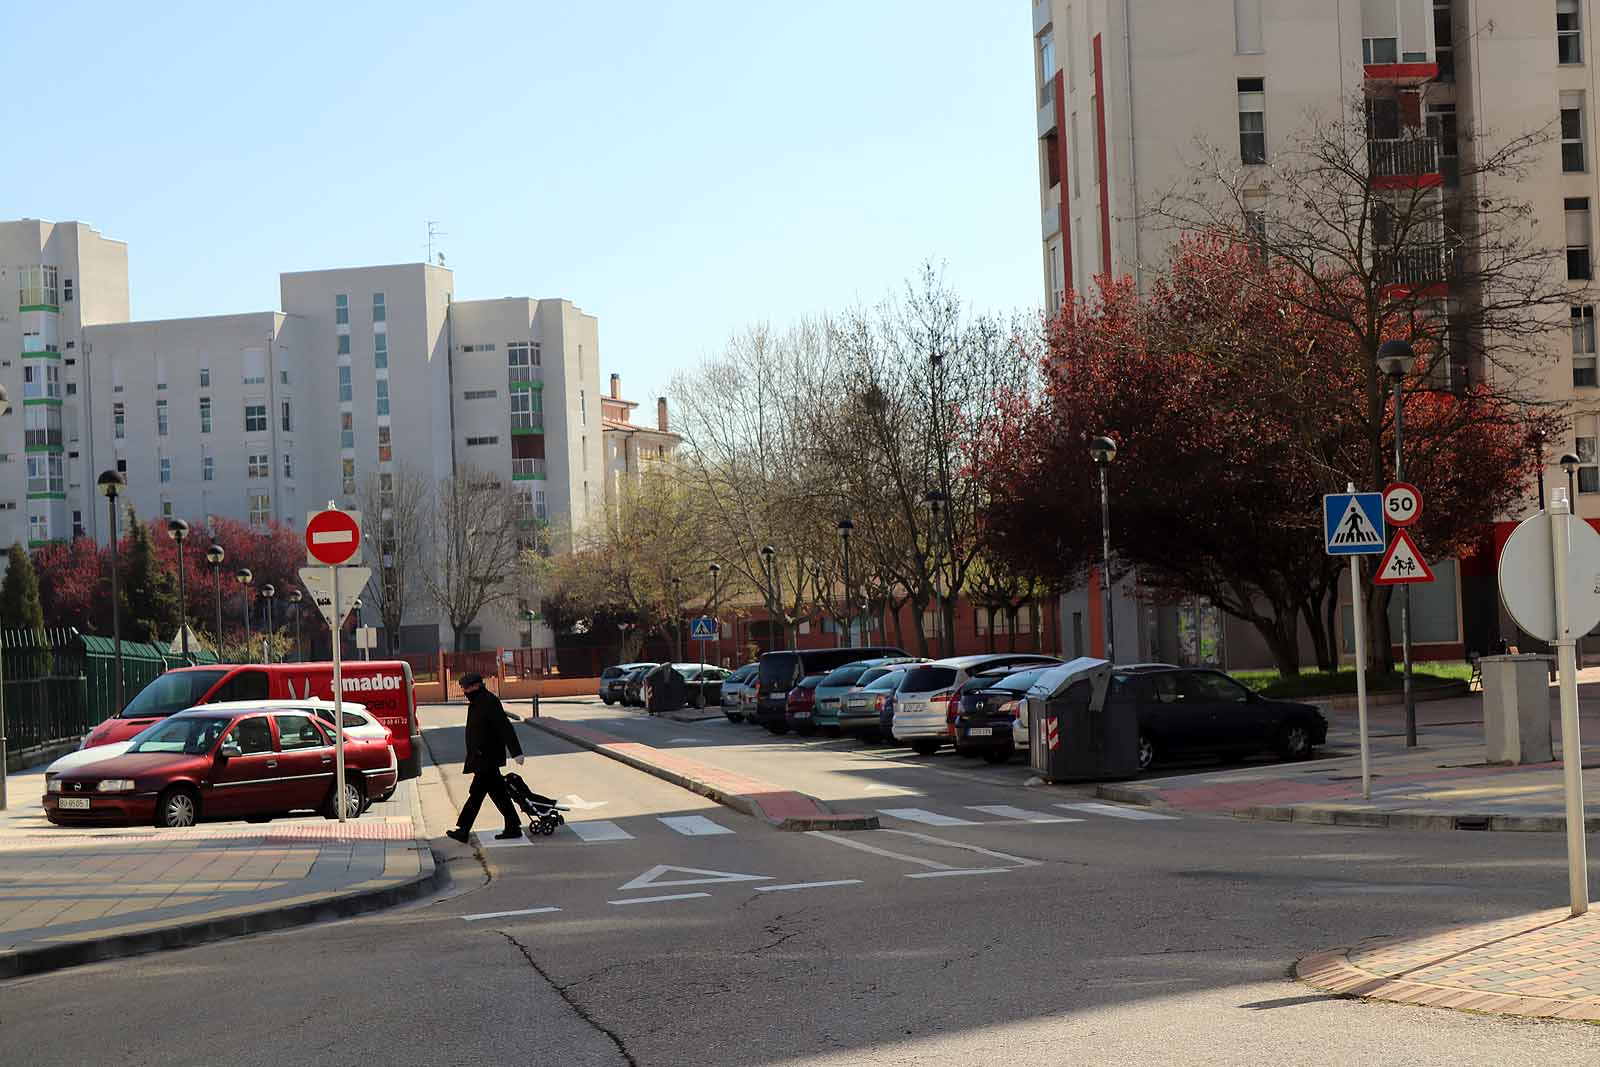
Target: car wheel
<point x="734" y="716"/>
<point x="258" y="818"/>
<point x="832" y="731"/>
<point x="354" y="804"/>
<point x="807" y="730"/>
<point x="1295" y="743"/>
<point x="777" y="728"/>
<point x="607" y="701"/>
<point x="1147" y="752"/>
<point x="997" y="756"/>
<point x="924" y="746"/>
<point x="177" y="807"/>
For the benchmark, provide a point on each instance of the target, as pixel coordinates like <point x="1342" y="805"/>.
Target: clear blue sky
<point x="679" y="170"/>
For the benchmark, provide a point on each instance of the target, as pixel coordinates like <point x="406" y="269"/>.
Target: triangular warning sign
<point x="652" y="878"/>
<point x="1355" y="528"/>
<point x="1402" y="564"/>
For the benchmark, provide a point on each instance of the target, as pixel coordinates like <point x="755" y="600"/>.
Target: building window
<point x="480" y="394"/>
<point x="385" y="451"/>
<point x="256" y="464"/>
<point x="1583" y="349"/>
<point x="208" y="469"/>
<point x="1588" y="471"/>
<point x="166" y="469"/>
<point x="383" y="396"/>
<point x="379" y="311"/>
<point x="119" y="421"/>
<point x="36" y="287"/>
<point x="205" y="414"/>
<point x="1252" y="120"/>
<point x="255" y="367"/>
<point x="1577" y="212"/>
<point x="288" y="420"/>
<point x="283" y="377"/>
<point x="288" y="465"/>
<point x="344" y="344"/>
<point x="348" y="466"/>
<point x="1380" y="50"/>
<point x="260" y="508"/>
<point x="166" y="508"/>
<point x="492" y="439"/>
<point x="539" y="510"/>
<point x="341" y="309"/>
<point x="45" y="475"/>
<point x="1444" y="40"/>
<point x="522" y="410"/>
<point x="344" y="385"/>
<point x="380" y="350"/>
<point x="205" y="377"/>
<point x="161" y="418"/>
<point x="66" y="290"/>
<point x="255" y="417"/>
<point x="1569" y="32"/>
<point x="1572" y="153"/>
<point x="38" y="527"/>
<point x="1442" y="124"/>
<point x="347" y="430"/>
<point x="584" y="448"/>
<point x="1247" y="26"/>
<point x="1047" y="65"/>
<point x="122" y="465"/>
<point x="521" y="358"/>
<point x="77" y="524"/>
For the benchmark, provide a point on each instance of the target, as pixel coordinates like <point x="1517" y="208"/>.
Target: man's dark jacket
<point x="490" y="736"/>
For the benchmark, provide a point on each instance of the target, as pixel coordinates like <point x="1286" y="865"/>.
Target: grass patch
<point x="1318" y="683"/>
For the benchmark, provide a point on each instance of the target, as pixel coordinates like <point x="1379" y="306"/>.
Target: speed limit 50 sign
<point x="1402" y="504"/>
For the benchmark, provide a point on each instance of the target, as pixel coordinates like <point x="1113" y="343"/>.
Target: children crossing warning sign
<point x="1352" y="523"/>
<point x="1402" y="564"/>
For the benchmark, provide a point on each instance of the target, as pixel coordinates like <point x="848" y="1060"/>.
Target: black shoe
<point x="510" y="833"/>
<point x="458" y="834"/>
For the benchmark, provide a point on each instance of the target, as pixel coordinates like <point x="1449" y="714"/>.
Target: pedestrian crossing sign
<point x="703" y="628"/>
<point x="1352" y="524"/>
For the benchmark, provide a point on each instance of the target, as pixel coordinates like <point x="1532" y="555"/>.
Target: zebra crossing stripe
<point x="1116" y="811"/>
<point x="593" y="830"/>
<point x="693" y="825"/>
<point x="927" y="818"/>
<point x="1006" y="811"/>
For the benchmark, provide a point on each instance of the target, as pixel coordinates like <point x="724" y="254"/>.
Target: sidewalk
<point x="1545" y="965"/>
<point x="71" y="895"/>
<point x="1443" y="784"/>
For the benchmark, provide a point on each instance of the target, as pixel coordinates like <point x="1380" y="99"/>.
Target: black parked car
<point x="612" y="680"/>
<point x="988" y="709"/>
<point x="704" y="683"/>
<point x="1188" y="710"/>
<point x="780" y="671"/>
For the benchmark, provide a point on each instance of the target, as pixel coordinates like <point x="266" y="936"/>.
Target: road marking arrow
<point x="652" y="878"/>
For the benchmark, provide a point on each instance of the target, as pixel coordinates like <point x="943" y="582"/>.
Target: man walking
<point x="489" y="738"/>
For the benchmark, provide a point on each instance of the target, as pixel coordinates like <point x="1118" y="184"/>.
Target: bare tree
<point x="398" y="508"/>
<point x="476" y="548"/>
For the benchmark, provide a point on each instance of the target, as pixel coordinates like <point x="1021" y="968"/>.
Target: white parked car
<point x="929" y="696"/>
<point x="84" y="756"/>
<point x="358" y="722"/>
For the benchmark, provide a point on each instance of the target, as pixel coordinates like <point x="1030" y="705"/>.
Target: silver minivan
<point x="929" y="696"/>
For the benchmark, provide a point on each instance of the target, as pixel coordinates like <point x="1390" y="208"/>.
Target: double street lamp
<point x="244" y="578"/>
<point x="767" y="554"/>
<point x="1103" y="451"/>
<point x="214" y="557"/>
<point x="111" y="485"/>
<point x="178" y="530"/>
<point x="1397" y="359"/>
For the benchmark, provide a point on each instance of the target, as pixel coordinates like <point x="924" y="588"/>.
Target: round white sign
<point x="1527" y="583"/>
<point x="1402" y="504"/>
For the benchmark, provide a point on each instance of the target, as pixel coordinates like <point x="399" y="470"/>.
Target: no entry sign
<point x="333" y="537"/>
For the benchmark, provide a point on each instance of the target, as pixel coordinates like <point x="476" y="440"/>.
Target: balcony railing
<point x="1417" y="265"/>
<point x="1403" y="157"/>
<point x="527" y="468"/>
<point x="38" y="438"/>
<point x="527" y="422"/>
<point x="524" y="373"/>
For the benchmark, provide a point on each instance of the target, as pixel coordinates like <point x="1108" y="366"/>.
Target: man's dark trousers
<point x="488" y="780"/>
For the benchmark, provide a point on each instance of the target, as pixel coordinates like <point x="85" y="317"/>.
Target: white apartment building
<point x="1124" y="88"/>
<point x="629" y="447"/>
<point x="367" y="371"/>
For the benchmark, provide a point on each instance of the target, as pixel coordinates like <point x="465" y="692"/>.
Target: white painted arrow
<point x="577" y="803"/>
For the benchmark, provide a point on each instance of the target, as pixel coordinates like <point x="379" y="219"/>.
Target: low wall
<point x="515" y="689"/>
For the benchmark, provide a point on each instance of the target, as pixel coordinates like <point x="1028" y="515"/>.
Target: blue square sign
<point x="1352" y="524"/>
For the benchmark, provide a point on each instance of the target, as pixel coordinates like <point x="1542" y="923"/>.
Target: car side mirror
<point x="228" y="750"/>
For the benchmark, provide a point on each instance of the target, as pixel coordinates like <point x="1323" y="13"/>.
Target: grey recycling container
<point x="1079" y="730"/>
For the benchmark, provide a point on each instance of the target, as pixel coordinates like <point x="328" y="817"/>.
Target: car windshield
<point x="1019" y="682"/>
<point x="611" y="672"/>
<point x="927" y="679"/>
<point x="809" y="681"/>
<point x="172" y="692"/>
<point x="887" y="681"/>
<point x="191" y="735"/>
<point x="849" y="674"/>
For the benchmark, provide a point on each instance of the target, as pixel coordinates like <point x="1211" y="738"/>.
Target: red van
<point x="384" y="686"/>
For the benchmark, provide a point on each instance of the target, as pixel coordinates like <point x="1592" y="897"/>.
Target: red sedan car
<point x="222" y="761"/>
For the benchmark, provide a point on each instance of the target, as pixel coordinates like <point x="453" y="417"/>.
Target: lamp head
<point x="295" y="596"/>
<point x="1396" y="358"/>
<point x="768" y="551"/>
<point x="845" y="526"/>
<point x="111" y="483"/>
<point x="715" y="569"/>
<point x="177" y="529"/>
<point x="5" y="400"/>
<point x="215" y="555"/>
<point x="243" y="576"/>
<point x="269" y="590"/>
<point x="1569" y="462"/>
<point x="1103" y="450"/>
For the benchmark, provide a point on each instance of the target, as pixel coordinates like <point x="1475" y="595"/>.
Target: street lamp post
<point x="295" y="596"/>
<point x="178" y="530"/>
<point x="111" y="484"/>
<point x="268" y="591"/>
<point x="1569" y="463"/>
<point x="214" y="557"/>
<point x="845" y="526"/>
<point x="5" y="406"/>
<point x="677" y="617"/>
<point x="1536" y="445"/>
<point x="767" y="552"/>
<point x="366" y="653"/>
<point x="715" y="570"/>
<point x="1103" y="451"/>
<point x="244" y="578"/>
<point x="935" y="499"/>
<point x="1396" y="359"/>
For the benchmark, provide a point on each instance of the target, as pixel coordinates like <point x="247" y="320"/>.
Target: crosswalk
<point x="602" y="831"/>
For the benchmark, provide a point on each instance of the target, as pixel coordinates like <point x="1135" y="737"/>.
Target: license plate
<point x="73" y="803"/>
<point x="802" y="714"/>
<point x="981" y="731"/>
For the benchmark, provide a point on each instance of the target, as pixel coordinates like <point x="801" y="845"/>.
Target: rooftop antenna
<point x="434" y="231"/>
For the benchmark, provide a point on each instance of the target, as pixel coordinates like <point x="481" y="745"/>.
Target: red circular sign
<point x="1402" y="504"/>
<point x="333" y="538"/>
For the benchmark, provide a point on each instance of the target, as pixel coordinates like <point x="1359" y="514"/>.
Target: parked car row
<point x="663" y="686"/>
<point x="979" y="704"/>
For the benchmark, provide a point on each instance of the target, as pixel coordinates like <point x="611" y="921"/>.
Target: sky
<point x="680" y="170"/>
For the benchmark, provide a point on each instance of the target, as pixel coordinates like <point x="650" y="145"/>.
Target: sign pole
<point x="1567" y="665"/>
<point x="338" y="706"/>
<point x="1359" y="619"/>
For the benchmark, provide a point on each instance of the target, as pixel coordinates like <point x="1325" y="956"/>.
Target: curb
<point x="1389" y="698"/>
<point x="1332" y="972"/>
<point x="1325" y="815"/>
<point x="740" y="802"/>
<point x="432" y="877"/>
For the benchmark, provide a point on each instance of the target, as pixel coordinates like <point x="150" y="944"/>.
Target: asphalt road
<point x="984" y="922"/>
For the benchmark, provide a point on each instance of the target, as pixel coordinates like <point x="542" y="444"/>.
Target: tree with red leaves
<point x="1233" y="412"/>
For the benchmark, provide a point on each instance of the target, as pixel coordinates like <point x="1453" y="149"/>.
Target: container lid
<point x="1055" y="680"/>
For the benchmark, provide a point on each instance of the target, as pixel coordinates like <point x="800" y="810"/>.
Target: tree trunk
<point x="918" y="607"/>
<point x="1381" y="654"/>
<point x="1282" y="635"/>
<point x="1320" y="636"/>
